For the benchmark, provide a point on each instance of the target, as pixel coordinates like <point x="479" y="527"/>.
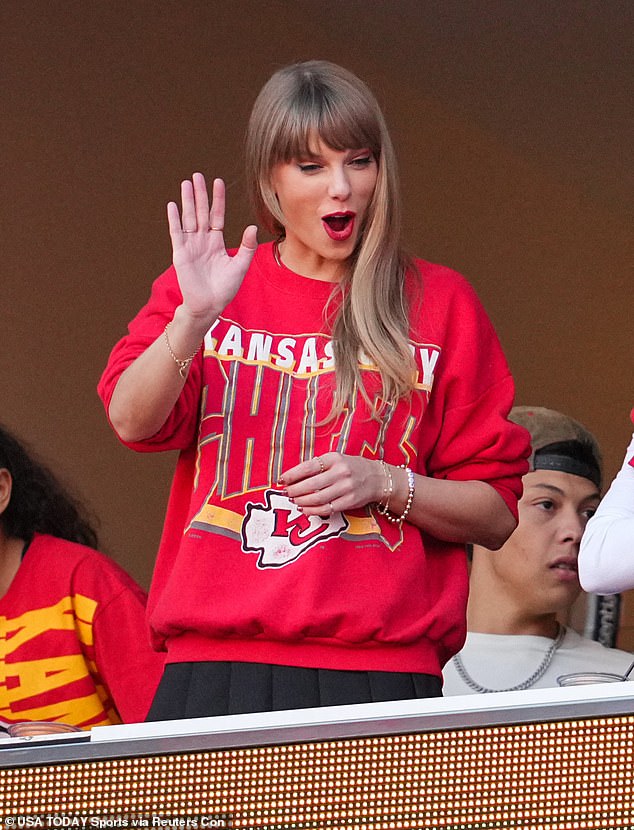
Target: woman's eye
<point x="589" y="512"/>
<point x="308" y="167"/>
<point x="546" y="504"/>
<point x="362" y="161"/>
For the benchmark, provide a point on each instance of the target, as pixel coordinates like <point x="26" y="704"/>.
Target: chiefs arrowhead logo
<point x="281" y="533"/>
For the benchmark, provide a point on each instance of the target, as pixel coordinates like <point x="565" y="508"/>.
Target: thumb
<point x="248" y="246"/>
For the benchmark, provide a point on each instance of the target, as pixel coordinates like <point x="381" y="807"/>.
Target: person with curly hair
<point x="74" y="641"/>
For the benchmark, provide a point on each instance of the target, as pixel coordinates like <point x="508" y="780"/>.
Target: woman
<point x="341" y="416"/>
<point x="75" y="644"/>
<point x="606" y="558"/>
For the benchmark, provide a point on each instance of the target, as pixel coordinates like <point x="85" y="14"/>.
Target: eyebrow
<point x="316" y="155"/>
<point x="551" y="488"/>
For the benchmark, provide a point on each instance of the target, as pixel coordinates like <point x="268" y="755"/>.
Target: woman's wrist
<point x="387" y="488"/>
<point x="182" y="338"/>
<point x="192" y="327"/>
<point x="398" y="493"/>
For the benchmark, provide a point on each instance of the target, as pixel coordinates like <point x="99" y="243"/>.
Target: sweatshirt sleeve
<point x="179" y="430"/>
<point x="471" y="399"/>
<point x="125" y="662"/>
<point x="606" y="556"/>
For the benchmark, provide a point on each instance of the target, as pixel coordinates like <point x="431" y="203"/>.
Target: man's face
<point x="537" y="566"/>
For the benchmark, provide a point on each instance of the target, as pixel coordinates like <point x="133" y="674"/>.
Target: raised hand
<point x="208" y="277"/>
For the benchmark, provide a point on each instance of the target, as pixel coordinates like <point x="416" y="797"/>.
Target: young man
<point x="517" y="593"/>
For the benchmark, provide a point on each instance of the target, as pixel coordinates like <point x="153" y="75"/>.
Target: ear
<point x="6" y="485"/>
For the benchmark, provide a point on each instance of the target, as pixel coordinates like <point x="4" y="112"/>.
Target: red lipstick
<point x="339" y="226"/>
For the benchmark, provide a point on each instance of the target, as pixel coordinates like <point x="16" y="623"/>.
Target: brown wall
<point x="511" y="127"/>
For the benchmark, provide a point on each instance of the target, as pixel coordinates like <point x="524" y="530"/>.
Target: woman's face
<point x="324" y="198"/>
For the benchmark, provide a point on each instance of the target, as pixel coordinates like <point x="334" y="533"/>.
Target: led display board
<point x="559" y="759"/>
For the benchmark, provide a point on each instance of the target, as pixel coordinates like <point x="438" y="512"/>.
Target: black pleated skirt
<point x="196" y="690"/>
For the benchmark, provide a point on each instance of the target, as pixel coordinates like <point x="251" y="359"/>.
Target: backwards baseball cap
<point x="559" y="443"/>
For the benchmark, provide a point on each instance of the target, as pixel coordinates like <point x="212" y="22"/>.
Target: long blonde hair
<point x="318" y="98"/>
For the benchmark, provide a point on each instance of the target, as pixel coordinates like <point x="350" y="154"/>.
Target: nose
<point x="339" y="183"/>
<point x="572" y="526"/>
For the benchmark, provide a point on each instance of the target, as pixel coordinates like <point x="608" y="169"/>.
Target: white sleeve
<point x="606" y="556"/>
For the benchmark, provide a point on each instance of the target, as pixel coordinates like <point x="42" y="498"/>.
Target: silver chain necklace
<point x="537" y="674"/>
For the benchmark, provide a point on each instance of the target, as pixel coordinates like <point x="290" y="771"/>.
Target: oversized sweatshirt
<point x="74" y="640"/>
<point x="241" y="573"/>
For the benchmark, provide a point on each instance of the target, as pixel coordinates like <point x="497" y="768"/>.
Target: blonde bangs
<point x="335" y="125"/>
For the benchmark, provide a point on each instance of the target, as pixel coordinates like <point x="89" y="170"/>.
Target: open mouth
<point x="338" y="222"/>
<point x="339" y="225"/>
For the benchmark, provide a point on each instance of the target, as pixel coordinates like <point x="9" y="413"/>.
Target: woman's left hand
<point x="334" y="482"/>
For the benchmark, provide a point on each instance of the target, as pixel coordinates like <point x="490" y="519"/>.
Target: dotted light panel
<point x="571" y="775"/>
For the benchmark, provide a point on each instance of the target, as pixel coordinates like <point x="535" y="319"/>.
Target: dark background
<point x="512" y="122"/>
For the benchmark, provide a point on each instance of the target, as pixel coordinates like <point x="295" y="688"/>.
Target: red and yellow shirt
<point x="74" y="642"/>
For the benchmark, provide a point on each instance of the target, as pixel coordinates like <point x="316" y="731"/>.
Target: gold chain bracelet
<point x="183" y="365"/>
<point x="384" y="506"/>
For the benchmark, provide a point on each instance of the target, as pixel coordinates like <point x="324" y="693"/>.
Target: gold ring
<point x="322" y="469"/>
<point x="213" y="228"/>
<point x="184" y="231"/>
<point x="332" y="509"/>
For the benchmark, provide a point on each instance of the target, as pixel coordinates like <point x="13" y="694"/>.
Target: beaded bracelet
<point x="183" y="365"/>
<point x="411" y="487"/>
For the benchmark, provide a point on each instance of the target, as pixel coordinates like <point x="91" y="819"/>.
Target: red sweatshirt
<point x="241" y="573"/>
<point x="74" y="641"/>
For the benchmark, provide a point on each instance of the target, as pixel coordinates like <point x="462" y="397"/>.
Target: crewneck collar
<point x="289" y="282"/>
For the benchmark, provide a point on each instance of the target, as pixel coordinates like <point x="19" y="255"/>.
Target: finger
<point x="307" y="477"/>
<point x="248" y="247"/>
<point x="316" y="499"/>
<point x="217" y="212"/>
<point x="188" y="221"/>
<point x="309" y="491"/>
<point x="324" y="510"/>
<point x="313" y="467"/>
<point x="174" y="221"/>
<point x="250" y="237"/>
<point x="310" y="481"/>
<point x="201" y="201"/>
<point x="301" y="472"/>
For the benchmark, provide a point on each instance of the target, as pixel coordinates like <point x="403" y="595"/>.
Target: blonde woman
<point x="341" y="415"/>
